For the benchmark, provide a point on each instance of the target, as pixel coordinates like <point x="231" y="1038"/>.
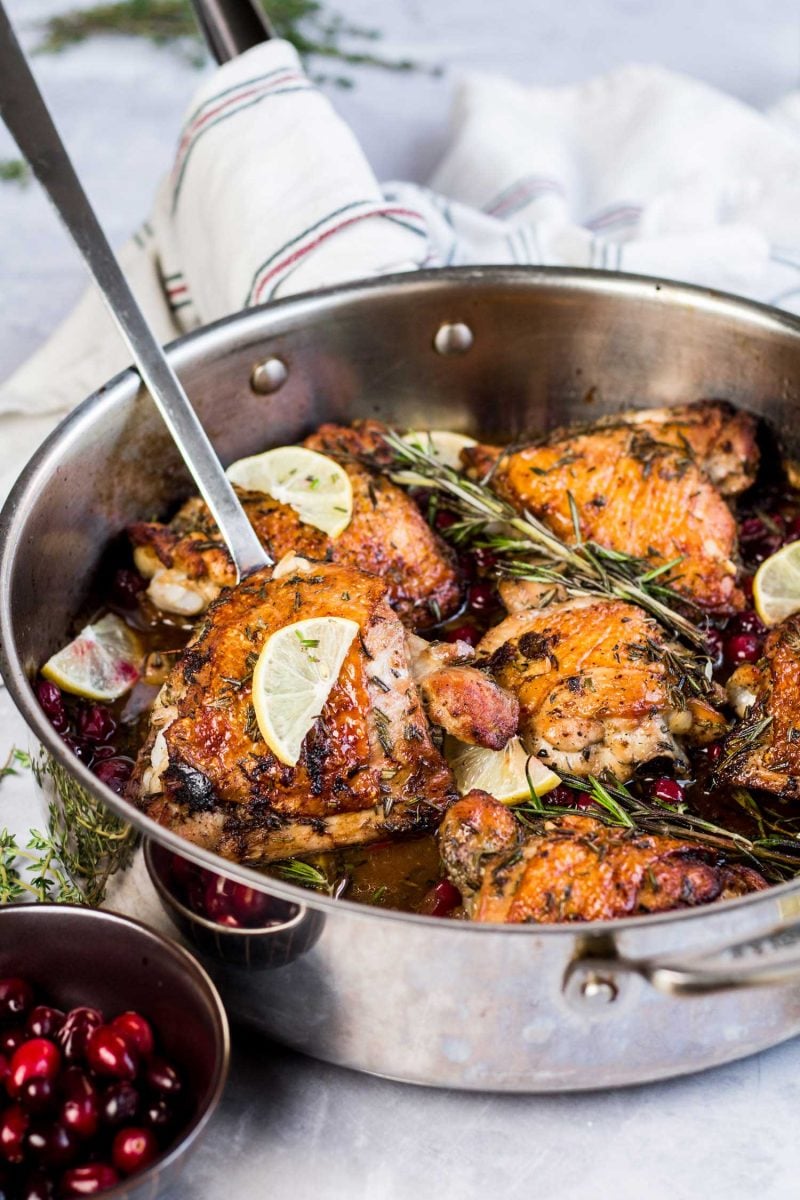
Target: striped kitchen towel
<point x="270" y="194"/>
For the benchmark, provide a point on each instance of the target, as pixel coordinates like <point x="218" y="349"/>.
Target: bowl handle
<point x="770" y="960"/>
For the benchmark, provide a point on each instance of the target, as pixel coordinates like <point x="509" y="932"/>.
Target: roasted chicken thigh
<point x="596" y="686"/>
<point x="638" y="485"/>
<point x="187" y="563"/>
<point x="575" y="868"/>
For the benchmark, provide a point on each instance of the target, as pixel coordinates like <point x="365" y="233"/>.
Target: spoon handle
<point x="24" y="111"/>
<point x="232" y="26"/>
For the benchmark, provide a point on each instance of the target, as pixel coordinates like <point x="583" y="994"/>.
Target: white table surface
<point x="289" y="1127"/>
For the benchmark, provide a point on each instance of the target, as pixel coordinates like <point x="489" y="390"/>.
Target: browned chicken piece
<point x="596" y="685"/>
<point x="465" y="702"/>
<point x="368" y="768"/>
<point x="187" y="563"/>
<point x="763" y="749"/>
<point x="634" y="494"/>
<point x="576" y="868"/>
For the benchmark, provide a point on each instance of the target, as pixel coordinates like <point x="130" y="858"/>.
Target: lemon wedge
<point x="501" y="773"/>
<point x="102" y="663"/>
<point x="315" y="486"/>
<point x="443" y="444"/>
<point x="293" y="678"/>
<point x="776" y="586"/>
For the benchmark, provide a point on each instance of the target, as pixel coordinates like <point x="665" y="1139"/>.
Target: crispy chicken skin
<point x="763" y="750"/>
<point x="575" y="868"/>
<point x="466" y="702"/>
<point x="638" y="489"/>
<point x="595" y="686"/>
<point x="368" y="769"/>
<point x="188" y="564"/>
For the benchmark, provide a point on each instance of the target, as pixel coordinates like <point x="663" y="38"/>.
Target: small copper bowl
<point x="291" y="931"/>
<point x="77" y="956"/>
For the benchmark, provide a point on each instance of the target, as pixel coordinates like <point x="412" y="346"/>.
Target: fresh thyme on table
<point x="84" y="844"/>
<point x="315" y="32"/>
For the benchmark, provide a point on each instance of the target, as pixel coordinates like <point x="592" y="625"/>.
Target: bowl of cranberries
<point x="226" y="920"/>
<point x="113" y="1054"/>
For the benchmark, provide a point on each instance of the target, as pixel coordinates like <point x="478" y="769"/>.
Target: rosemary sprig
<point x="294" y="870"/>
<point x="584" y="569"/>
<point x="82" y="846"/>
<point x="777" y="853"/>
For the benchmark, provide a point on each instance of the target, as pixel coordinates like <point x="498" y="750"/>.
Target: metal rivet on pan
<point x="268" y="376"/>
<point x="454" y="337"/>
<point x="598" y="989"/>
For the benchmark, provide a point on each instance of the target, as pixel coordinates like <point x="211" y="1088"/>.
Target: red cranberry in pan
<point x="78" y="747"/>
<point x="793" y="530"/>
<point x="742" y="648"/>
<point x="480" y="597"/>
<point x="114" y="772"/>
<point x="714" y="752"/>
<point x="667" y="790"/>
<point x="137" y="1032"/>
<point x="16" y="997"/>
<point x="714" y="644"/>
<point x="133" y="1149"/>
<point x="73" y="1035"/>
<point x="443" y="898"/>
<point x="52" y="701"/>
<point x="96" y="724"/>
<point x="127" y="587"/>
<point x="90" y="1180"/>
<point x="562" y="795"/>
<point x="463" y="633"/>
<point x="746" y="622"/>
<point x="444" y="519"/>
<point x="44" y="1021"/>
<point x="108" y="1053"/>
<point x="37" y="1058"/>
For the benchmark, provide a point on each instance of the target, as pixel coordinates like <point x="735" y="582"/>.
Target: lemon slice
<point x="501" y="773"/>
<point x="776" y="587"/>
<point x="315" y="486"/>
<point x="293" y="678"/>
<point x="102" y="663"/>
<point x="443" y="444"/>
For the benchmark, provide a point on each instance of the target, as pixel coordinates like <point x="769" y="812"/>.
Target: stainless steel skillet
<point x="518" y="1009"/>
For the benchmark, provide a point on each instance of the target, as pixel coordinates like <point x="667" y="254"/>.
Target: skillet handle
<point x="232" y="26"/>
<point x="598" y="979"/>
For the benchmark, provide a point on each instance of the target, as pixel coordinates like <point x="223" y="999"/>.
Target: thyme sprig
<point x="72" y="860"/>
<point x="776" y="851"/>
<point x="583" y="569"/>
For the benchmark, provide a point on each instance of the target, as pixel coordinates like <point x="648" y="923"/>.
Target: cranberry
<point x="81" y="1110"/>
<point x="162" y="1077"/>
<point x="38" y="1095"/>
<point x="442" y="899"/>
<point x="120" y="1104"/>
<point x="746" y="584"/>
<point x="483" y="558"/>
<point x="480" y="597"/>
<point x="53" y="1144"/>
<point x="13" y="1127"/>
<point x="78" y="747"/>
<point x="115" y="772"/>
<point x="44" y="1021"/>
<point x="159" y="1114"/>
<point x="444" y="519"/>
<point x="714" y="643"/>
<point x="463" y="633"/>
<point x="133" y="1148"/>
<point x="11" y="1040"/>
<point x="5" y="1069"/>
<point x="16" y="997"/>
<point x="757" y="552"/>
<point x="107" y="1053"/>
<point x="126" y="588"/>
<point x="89" y="1180"/>
<point x="96" y="723"/>
<point x="714" y="751"/>
<point x="743" y="648"/>
<point x="216" y="900"/>
<point x="667" y="790"/>
<point x="746" y="622"/>
<point x="137" y="1032"/>
<point x="38" y="1186"/>
<point x="74" y="1033"/>
<point x="250" y="905"/>
<point x="183" y="872"/>
<point x="35" y="1059"/>
<point x="562" y="795"/>
<point x="793" y="530"/>
<point x="52" y="701"/>
<point x="752" y="529"/>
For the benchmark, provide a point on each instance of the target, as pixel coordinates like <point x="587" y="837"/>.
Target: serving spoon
<point x="25" y="112"/>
